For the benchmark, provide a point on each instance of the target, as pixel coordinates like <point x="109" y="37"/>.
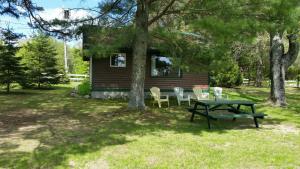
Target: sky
<point x="52" y="9"/>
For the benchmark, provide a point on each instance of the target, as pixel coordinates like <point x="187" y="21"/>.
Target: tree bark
<point x="8" y="83"/>
<point x="279" y="63"/>
<point x="136" y="98"/>
<point x="259" y="65"/>
<point x="298" y="80"/>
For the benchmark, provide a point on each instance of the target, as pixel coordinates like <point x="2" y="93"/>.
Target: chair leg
<point x="159" y="104"/>
<point x="189" y="102"/>
<point x="178" y="102"/>
<point x="168" y="103"/>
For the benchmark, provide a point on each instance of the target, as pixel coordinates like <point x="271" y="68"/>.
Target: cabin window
<point x="162" y="66"/>
<point x="118" y="60"/>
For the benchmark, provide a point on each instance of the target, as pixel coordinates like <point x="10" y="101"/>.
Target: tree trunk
<point x="259" y="73"/>
<point x="279" y="62"/>
<point x="298" y="80"/>
<point x="259" y="66"/>
<point x="136" y="98"/>
<point x="8" y="83"/>
<point x="7" y="87"/>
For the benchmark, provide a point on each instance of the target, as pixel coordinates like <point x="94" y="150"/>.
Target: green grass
<point x="50" y="129"/>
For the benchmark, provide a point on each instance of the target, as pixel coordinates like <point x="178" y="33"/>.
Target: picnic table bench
<point x="205" y="107"/>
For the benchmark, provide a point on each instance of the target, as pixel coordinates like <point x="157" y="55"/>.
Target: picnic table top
<point x="225" y="102"/>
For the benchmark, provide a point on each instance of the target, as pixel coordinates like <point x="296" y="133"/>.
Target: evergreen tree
<point x="78" y="65"/>
<point x="10" y="67"/>
<point x="39" y="56"/>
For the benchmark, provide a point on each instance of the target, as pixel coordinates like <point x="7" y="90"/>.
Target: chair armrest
<point x="167" y="96"/>
<point x="186" y="96"/>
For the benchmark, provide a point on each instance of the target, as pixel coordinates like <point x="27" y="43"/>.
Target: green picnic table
<point x="205" y="107"/>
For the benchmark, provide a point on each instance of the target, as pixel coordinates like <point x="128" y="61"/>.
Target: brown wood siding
<point x="105" y="76"/>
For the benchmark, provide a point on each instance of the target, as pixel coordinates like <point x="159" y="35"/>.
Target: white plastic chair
<point x="218" y="93"/>
<point x="200" y="95"/>
<point x="155" y="93"/>
<point x="179" y="92"/>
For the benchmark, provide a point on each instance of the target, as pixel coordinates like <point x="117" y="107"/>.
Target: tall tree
<point x="279" y="63"/>
<point x="277" y="17"/>
<point x="143" y="13"/>
<point x="78" y="66"/>
<point x="283" y="19"/>
<point x="39" y="56"/>
<point x="116" y="13"/>
<point x="10" y="67"/>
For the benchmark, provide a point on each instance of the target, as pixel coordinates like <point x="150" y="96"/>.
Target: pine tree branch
<point x="48" y="26"/>
<point x="158" y="16"/>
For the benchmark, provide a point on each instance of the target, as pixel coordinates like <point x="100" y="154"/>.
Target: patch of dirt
<point x="15" y="127"/>
<point x="282" y="128"/>
<point x="17" y="141"/>
<point x="97" y="164"/>
<point x="16" y="119"/>
<point x="152" y="160"/>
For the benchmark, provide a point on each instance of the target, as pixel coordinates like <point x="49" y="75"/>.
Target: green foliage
<point x="84" y="88"/>
<point x="280" y="15"/>
<point x="294" y="70"/>
<point x="292" y="73"/>
<point x="16" y="8"/>
<point x="101" y="41"/>
<point x="78" y="66"/>
<point x="10" y="68"/>
<point x="228" y="75"/>
<point x="75" y="59"/>
<point x="253" y="56"/>
<point x="59" y="48"/>
<point x="39" y="56"/>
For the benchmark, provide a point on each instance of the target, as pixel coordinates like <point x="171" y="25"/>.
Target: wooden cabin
<point x="110" y="75"/>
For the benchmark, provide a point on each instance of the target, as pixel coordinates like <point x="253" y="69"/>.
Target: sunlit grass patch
<point x="51" y="129"/>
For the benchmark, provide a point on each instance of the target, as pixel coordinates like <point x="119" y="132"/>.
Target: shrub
<point x="230" y="76"/>
<point x="63" y="78"/>
<point x="84" y="88"/>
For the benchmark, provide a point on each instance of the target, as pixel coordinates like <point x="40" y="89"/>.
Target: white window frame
<point x="153" y="68"/>
<point x="123" y="54"/>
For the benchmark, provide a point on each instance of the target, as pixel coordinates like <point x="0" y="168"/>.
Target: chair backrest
<point x="179" y="92"/>
<point x="198" y="92"/>
<point x="155" y="92"/>
<point x="218" y="92"/>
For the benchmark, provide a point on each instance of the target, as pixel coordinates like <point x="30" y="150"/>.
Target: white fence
<point x="291" y="83"/>
<point x="77" y="77"/>
<point x="288" y="83"/>
<point x="246" y="82"/>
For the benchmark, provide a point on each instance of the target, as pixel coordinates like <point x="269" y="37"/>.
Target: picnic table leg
<point x="192" y="117"/>
<point x="238" y="108"/>
<point x="254" y="118"/>
<point x="207" y="117"/>
<point x="193" y="114"/>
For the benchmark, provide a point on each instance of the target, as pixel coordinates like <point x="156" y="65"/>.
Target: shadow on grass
<point x="59" y="126"/>
<point x="252" y="96"/>
<point x="17" y="92"/>
<point x="65" y="131"/>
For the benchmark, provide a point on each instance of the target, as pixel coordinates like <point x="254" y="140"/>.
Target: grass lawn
<point x="50" y="129"/>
